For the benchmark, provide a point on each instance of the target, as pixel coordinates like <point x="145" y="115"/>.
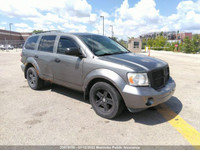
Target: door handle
<point x="57" y="60"/>
<point x="36" y="56"/>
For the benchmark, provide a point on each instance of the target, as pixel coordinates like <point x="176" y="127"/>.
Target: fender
<point x="32" y="61"/>
<point x="106" y="74"/>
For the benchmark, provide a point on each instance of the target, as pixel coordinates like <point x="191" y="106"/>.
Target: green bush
<point x="186" y="46"/>
<point x="169" y="47"/>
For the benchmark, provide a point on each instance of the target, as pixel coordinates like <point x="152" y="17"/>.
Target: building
<point x="135" y="45"/>
<point x="170" y="35"/>
<point x="181" y="36"/>
<point x="16" y="39"/>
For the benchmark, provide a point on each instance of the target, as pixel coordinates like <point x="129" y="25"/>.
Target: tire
<point x="106" y="100"/>
<point x="33" y="79"/>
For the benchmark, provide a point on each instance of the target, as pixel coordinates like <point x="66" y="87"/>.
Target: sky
<point x="129" y="18"/>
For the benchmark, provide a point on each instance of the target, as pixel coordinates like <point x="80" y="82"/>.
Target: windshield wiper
<point x="121" y="52"/>
<point x="105" y="54"/>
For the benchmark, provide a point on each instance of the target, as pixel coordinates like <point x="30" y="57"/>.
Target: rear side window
<point x="47" y="43"/>
<point x="65" y="43"/>
<point x="31" y="42"/>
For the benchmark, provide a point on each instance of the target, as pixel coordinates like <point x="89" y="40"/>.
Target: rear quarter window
<point x="47" y="43"/>
<point x="31" y="42"/>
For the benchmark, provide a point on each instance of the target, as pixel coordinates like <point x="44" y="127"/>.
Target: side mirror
<point x="74" y="51"/>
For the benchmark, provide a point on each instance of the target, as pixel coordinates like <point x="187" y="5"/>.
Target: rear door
<point x="45" y="56"/>
<point x="67" y="69"/>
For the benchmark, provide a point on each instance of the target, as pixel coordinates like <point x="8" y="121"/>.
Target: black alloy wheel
<point x="33" y="79"/>
<point x="103" y="100"/>
<point x="106" y="100"/>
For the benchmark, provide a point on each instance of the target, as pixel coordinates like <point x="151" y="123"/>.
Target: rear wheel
<point x="106" y="100"/>
<point x="33" y="79"/>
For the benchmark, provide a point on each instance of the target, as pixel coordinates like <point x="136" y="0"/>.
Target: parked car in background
<point x="2" y="47"/>
<point x="107" y="73"/>
<point x="9" y="47"/>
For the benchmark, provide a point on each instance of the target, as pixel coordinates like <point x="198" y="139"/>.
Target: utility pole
<point x="10" y="24"/>
<point x="112" y="33"/>
<point x="103" y="23"/>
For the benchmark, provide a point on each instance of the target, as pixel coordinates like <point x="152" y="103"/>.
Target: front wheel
<point x="33" y="79"/>
<point x="106" y="100"/>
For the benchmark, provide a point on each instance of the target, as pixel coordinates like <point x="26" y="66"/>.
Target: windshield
<point x="101" y="45"/>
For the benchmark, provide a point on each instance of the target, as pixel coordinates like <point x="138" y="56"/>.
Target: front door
<point x="67" y="69"/>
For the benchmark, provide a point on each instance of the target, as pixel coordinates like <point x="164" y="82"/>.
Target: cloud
<point x="3" y="28"/>
<point x="133" y="21"/>
<point x="144" y="17"/>
<point x="185" y="19"/>
<point x="44" y="13"/>
<point x="78" y="16"/>
<point x="33" y="8"/>
<point x="3" y="23"/>
<point x="21" y="25"/>
<point x="103" y="13"/>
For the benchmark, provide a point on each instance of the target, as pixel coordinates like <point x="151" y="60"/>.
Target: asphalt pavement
<point x="57" y="115"/>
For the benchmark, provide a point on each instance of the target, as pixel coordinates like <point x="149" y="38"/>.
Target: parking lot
<point x="59" y="116"/>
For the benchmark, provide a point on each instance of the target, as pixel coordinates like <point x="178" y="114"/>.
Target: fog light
<point x="149" y="101"/>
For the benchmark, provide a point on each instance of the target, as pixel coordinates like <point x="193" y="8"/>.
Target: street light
<point x="112" y="33"/>
<point x="103" y="23"/>
<point x="10" y="24"/>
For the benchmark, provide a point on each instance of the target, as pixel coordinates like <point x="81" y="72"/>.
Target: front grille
<point x="159" y="77"/>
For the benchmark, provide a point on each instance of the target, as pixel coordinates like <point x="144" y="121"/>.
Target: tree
<point x="195" y="43"/>
<point x="114" y="38"/>
<point x="144" y="43"/>
<point x="187" y="45"/>
<point x="124" y="43"/>
<point x="169" y="46"/>
<point x="150" y="42"/>
<point x="130" y="38"/>
<point x="158" y="43"/>
<point x="37" y="31"/>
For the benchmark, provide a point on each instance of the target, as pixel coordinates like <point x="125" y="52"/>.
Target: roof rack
<point x="59" y="31"/>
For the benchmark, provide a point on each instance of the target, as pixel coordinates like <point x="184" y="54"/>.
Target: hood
<point x="137" y="62"/>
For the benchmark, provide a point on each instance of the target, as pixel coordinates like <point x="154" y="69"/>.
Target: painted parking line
<point x="186" y="130"/>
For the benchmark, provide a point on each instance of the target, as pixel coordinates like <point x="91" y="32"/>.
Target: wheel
<point x="33" y="79"/>
<point x="105" y="100"/>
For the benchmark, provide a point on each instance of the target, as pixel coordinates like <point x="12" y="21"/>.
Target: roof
<point x="63" y="33"/>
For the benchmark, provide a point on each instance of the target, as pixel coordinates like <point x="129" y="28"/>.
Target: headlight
<point x="138" y="79"/>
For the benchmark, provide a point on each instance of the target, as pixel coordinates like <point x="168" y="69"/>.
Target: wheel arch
<point x="31" y="63"/>
<point x="103" y="75"/>
<point x="26" y="68"/>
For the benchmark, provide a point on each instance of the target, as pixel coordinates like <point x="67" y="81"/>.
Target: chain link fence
<point x="13" y="43"/>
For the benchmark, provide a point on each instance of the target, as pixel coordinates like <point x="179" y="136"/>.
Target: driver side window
<point x="64" y="44"/>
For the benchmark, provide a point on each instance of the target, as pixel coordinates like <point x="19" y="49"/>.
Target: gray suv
<point x="107" y="73"/>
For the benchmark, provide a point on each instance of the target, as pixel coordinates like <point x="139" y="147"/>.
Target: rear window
<point x="47" y="43"/>
<point x="31" y="42"/>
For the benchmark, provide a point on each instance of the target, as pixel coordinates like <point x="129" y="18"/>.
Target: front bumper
<point x="137" y="97"/>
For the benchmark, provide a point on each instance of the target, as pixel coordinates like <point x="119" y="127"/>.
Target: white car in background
<point x="2" y="47"/>
<point x="9" y="47"/>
